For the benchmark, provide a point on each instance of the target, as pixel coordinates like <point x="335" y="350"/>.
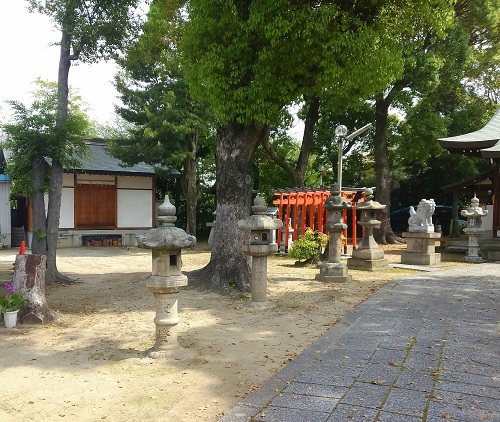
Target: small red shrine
<point x="300" y="209"/>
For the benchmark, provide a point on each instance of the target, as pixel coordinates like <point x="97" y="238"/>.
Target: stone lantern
<point x="333" y="270"/>
<point x="166" y="281"/>
<point x="260" y="244"/>
<point x="368" y="256"/>
<point x="474" y="214"/>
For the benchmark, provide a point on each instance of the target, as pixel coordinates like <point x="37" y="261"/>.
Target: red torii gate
<point x="307" y="204"/>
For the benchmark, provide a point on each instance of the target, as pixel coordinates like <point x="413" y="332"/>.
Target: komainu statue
<point x="421" y="219"/>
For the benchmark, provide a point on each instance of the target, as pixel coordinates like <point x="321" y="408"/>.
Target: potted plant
<point x="10" y="302"/>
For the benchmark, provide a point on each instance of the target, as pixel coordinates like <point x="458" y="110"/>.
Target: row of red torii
<point x="303" y="208"/>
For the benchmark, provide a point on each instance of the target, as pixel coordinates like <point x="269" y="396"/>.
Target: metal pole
<point x="339" y="163"/>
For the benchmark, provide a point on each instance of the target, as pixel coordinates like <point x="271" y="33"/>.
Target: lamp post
<point x="340" y="133"/>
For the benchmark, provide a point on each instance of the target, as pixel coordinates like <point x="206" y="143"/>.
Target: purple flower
<point x="10" y="287"/>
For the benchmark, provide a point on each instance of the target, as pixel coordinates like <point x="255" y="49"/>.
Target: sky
<point x="26" y="53"/>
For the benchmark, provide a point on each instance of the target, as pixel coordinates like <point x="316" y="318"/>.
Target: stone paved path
<point x="423" y="348"/>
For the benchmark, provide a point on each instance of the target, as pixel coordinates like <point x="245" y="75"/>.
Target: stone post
<point x="166" y="279"/>
<point x="259" y="246"/>
<point x="368" y="256"/>
<point x="333" y="270"/>
<point x="474" y="214"/>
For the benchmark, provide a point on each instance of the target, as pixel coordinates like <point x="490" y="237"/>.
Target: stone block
<point x="331" y="272"/>
<point x="413" y="258"/>
<point x="369" y="254"/>
<point x="368" y="265"/>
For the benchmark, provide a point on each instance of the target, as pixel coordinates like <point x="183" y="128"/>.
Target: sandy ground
<point x="92" y="365"/>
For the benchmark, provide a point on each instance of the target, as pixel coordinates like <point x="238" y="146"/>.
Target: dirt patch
<point x="92" y="364"/>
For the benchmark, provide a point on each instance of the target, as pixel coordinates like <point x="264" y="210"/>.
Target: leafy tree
<point x="91" y="30"/>
<point x="167" y="126"/>
<point x="436" y="62"/>
<point x="35" y="142"/>
<point x="251" y="59"/>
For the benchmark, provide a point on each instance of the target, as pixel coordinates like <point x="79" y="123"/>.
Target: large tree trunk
<point x="39" y="239"/>
<point x="312" y="118"/>
<point x="189" y="185"/>
<point x="385" y="183"/>
<point x="298" y="172"/>
<point x="228" y="268"/>
<point x="29" y="278"/>
<point x="56" y="175"/>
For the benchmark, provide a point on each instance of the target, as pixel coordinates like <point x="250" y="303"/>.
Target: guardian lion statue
<point x="421" y="219"/>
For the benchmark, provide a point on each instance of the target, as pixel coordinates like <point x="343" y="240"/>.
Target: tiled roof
<point x="485" y="140"/>
<point x="100" y="160"/>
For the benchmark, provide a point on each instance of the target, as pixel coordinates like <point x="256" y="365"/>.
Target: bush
<point x="308" y="246"/>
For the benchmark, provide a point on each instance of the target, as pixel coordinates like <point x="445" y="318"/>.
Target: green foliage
<point x="308" y="245"/>
<point x="248" y="59"/>
<point x="34" y="134"/>
<point x="12" y="300"/>
<point x="97" y="29"/>
<point x="158" y="107"/>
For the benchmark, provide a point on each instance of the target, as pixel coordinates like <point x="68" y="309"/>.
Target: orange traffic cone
<point x="22" y="249"/>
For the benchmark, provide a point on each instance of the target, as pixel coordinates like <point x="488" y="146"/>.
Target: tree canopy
<point x="34" y="135"/>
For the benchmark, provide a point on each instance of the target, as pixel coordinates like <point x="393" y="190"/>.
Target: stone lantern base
<point x="421" y="249"/>
<point x="332" y="272"/>
<point x="368" y="260"/>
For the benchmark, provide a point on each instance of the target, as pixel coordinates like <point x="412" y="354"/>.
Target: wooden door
<point x="95" y="207"/>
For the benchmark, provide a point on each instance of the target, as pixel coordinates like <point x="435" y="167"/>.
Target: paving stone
<point x="473" y="389"/>
<point x="456" y="411"/>
<point x="395" y="417"/>
<point x="273" y="414"/>
<point x="345" y="412"/>
<point x="338" y="379"/>
<point x="304" y="402"/>
<point x="384" y="355"/>
<point x="407" y="402"/>
<point x="378" y="372"/>
<point x="484" y="381"/>
<point x="439" y="328"/>
<point x="316" y="390"/>
<point x="366" y="395"/>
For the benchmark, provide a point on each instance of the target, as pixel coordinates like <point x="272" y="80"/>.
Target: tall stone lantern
<point x="166" y="281"/>
<point x="474" y="214"/>
<point x="368" y="256"/>
<point x="333" y="270"/>
<point x="260" y="244"/>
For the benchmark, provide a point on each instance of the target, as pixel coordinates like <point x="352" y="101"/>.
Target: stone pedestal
<point x="166" y="318"/>
<point x="333" y="270"/>
<point x="473" y="250"/>
<point x="371" y="259"/>
<point x="421" y="249"/>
